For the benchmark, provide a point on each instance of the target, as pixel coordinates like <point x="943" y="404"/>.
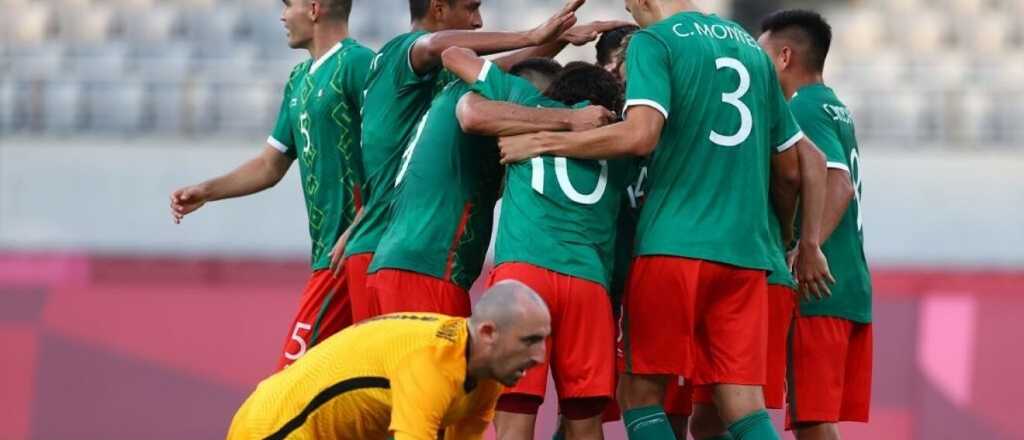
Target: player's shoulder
<point x="401" y="41"/>
<point x="812" y="101"/>
<point x="300" y="69"/>
<point x="355" y="49"/>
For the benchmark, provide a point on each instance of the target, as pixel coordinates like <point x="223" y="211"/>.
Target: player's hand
<point x="515" y="149"/>
<point x="585" y="33"/>
<point x="590" y="117"/>
<point x="186" y="200"/>
<point x="812" y="273"/>
<point x="555" y="26"/>
<point x="338" y="255"/>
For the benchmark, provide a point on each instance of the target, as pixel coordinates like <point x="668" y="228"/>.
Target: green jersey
<point x="724" y="111"/>
<point x="444" y="198"/>
<point x="556" y="213"/>
<point x="829" y="125"/>
<point x="396" y="98"/>
<point x="319" y="124"/>
<point x="629" y="211"/>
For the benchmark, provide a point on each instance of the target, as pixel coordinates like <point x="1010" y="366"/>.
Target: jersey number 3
<point x="733" y="99"/>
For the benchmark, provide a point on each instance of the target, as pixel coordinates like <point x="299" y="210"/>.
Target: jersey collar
<point x="320" y="61"/>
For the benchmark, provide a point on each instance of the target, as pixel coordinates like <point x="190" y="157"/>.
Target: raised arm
<point x="577" y="36"/>
<point x="426" y="53"/>
<point x="255" y="175"/>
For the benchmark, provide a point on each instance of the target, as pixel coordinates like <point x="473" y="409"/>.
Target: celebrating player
<point x="451" y="176"/>
<point x="407" y="375"/>
<point x="557" y="235"/>
<point x="703" y="100"/>
<point x="831" y="343"/>
<point x="405" y="76"/>
<point x="319" y="123"/>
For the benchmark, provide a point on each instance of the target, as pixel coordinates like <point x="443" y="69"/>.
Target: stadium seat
<point x="32" y="24"/>
<point x="114" y="106"/>
<point x="106" y="61"/>
<point x="62" y="105"/>
<point x="213" y="26"/>
<point x="993" y="37"/>
<point x="169" y="60"/>
<point x="860" y="32"/>
<point x="922" y="32"/>
<point x="7" y="106"/>
<point x="246" y="107"/>
<point x="37" y="61"/>
<point x="86" y="24"/>
<point x="165" y="107"/>
<point x="150" y="25"/>
<point x="977" y="125"/>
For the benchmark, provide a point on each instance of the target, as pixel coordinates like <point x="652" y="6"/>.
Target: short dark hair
<point x="418" y="8"/>
<point x="579" y="81"/>
<point x="544" y="66"/>
<point x="337" y="9"/>
<point x="610" y="41"/>
<point x="807" y="28"/>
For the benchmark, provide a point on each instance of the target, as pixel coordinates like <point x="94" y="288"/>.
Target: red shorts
<point x="678" y="397"/>
<point x="324" y="310"/>
<point x="781" y="305"/>
<point x="403" y="291"/>
<point x="697" y="319"/>
<point x="363" y="305"/>
<point x="830" y="371"/>
<point x="581" y="347"/>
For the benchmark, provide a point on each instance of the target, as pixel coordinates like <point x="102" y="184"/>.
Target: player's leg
<point x="404" y="291"/>
<point x="657" y="331"/>
<point x="584" y="372"/>
<point x="818" y="349"/>
<point x="516" y="411"/>
<point x="706" y="424"/>
<point x="363" y="304"/>
<point x="732" y="338"/>
<point x="324" y="309"/>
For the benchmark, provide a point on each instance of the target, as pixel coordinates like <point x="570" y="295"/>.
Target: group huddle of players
<point x="698" y="186"/>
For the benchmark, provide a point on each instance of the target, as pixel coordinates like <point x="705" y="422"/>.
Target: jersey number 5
<point x="733" y="99"/>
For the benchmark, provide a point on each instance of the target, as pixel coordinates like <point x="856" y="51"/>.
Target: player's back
<point x="396" y="99"/>
<point x="724" y="112"/>
<point x="341" y="387"/>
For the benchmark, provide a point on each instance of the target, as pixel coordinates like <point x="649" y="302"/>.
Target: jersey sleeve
<point x="357" y="68"/>
<point x="405" y="75"/>
<point x="281" y="138"/>
<point x="421" y="394"/>
<point x="818" y="126"/>
<point x="648" y="73"/>
<point x="497" y="85"/>
<point x="785" y="132"/>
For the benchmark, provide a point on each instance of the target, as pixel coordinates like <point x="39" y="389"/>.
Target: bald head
<point x="508" y="302"/>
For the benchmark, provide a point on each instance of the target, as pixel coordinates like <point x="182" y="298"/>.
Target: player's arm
<point x="837" y="199"/>
<point x="338" y="253"/>
<point x="425" y="54"/>
<point x="255" y="175"/>
<point x="785" y="190"/>
<point x="811" y="267"/>
<point x="636" y="136"/>
<point x="481" y="116"/>
<point x="421" y="393"/>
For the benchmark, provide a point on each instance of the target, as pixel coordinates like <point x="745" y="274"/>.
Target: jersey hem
<point x="837" y="166"/>
<point x="278" y="145"/>
<point x="646" y="102"/>
<point x="591" y="278"/>
<point x="708" y="256"/>
<point x="852" y="317"/>
<point x="791" y="142"/>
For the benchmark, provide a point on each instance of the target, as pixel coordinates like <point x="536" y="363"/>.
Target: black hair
<point x="337" y="9"/>
<point x="419" y="8"/>
<point x="544" y="66"/>
<point x="610" y="41"/>
<point x="579" y="81"/>
<point x="807" y="28"/>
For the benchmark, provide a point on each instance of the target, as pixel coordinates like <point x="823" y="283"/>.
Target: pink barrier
<point x="103" y="347"/>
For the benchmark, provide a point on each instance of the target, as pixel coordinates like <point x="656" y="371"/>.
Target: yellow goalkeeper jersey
<point x="400" y="375"/>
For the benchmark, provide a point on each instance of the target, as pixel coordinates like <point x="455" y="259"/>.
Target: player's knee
<point x="705" y="422"/>
<point x="519" y="404"/>
<point x="637" y="391"/>
<point x="583" y="408"/>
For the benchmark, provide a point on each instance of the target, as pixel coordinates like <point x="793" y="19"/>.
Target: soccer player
<point x="830" y="344"/>
<point x="556" y="234"/>
<point x="405" y="76"/>
<point x="319" y="123"/>
<point x="451" y="175"/>
<point x="408" y="376"/>
<point x="703" y="101"/>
